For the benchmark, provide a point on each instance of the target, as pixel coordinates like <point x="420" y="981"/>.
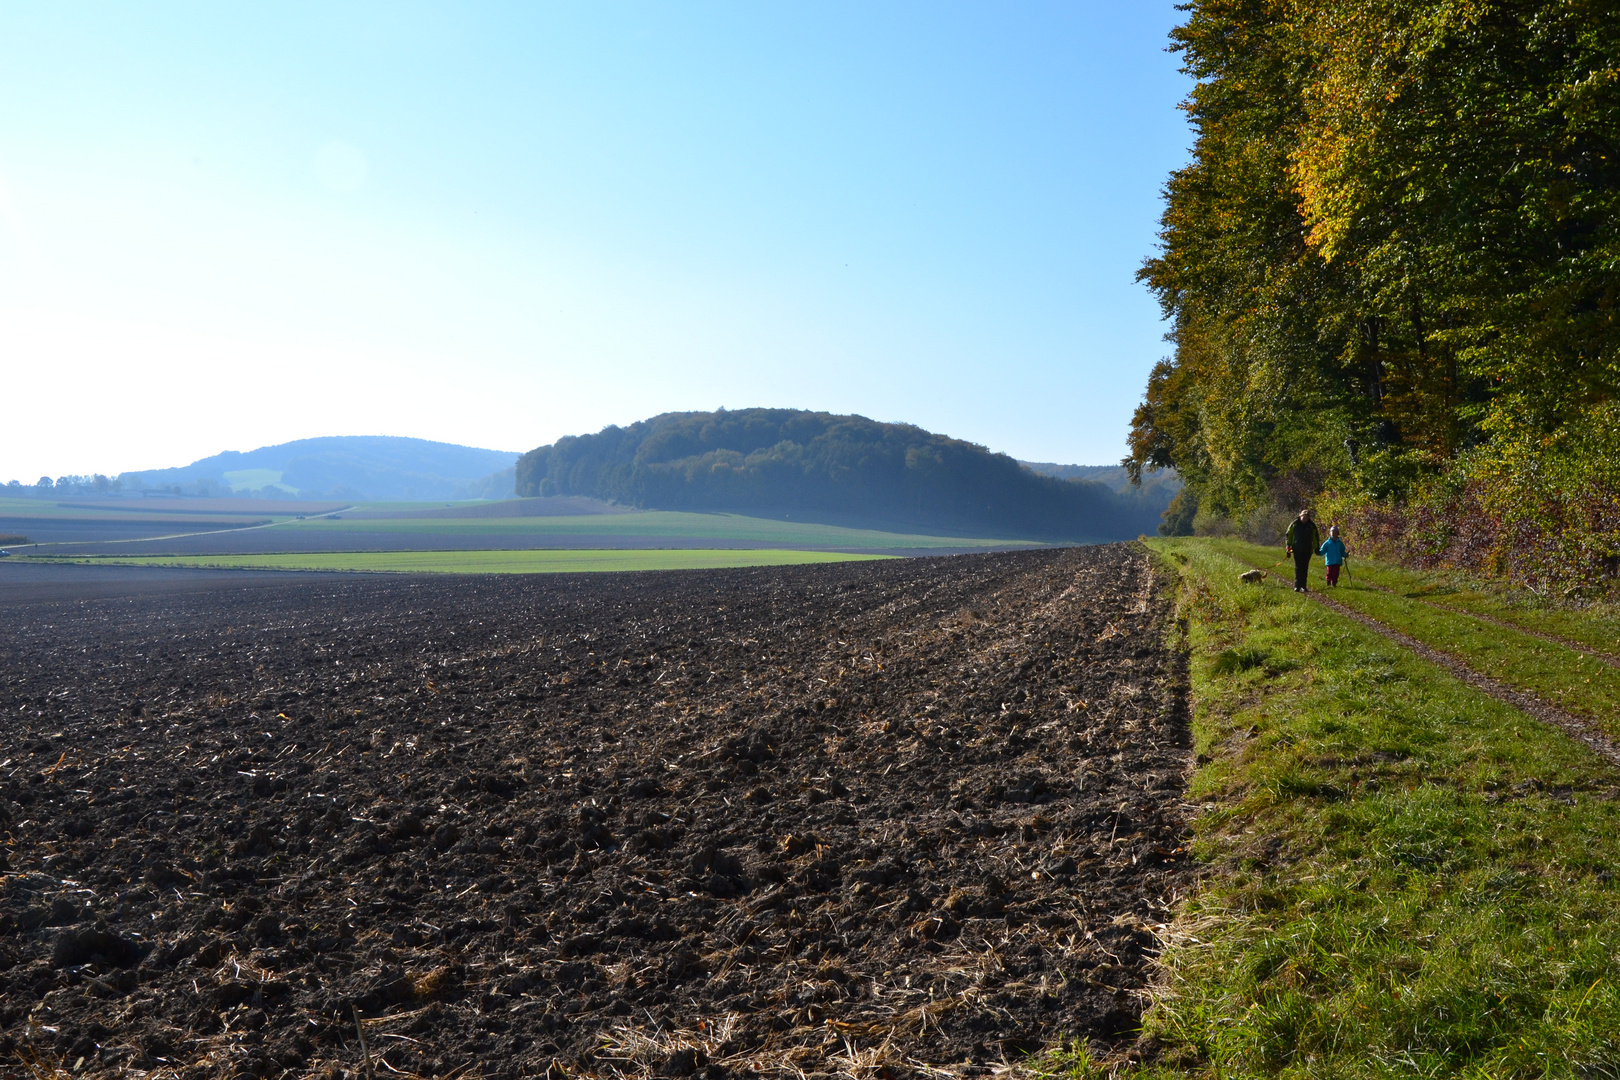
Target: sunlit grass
<point x="1597" y="626"/>
<point x="1558" y="674"/>
<point x="1404" y="876"/>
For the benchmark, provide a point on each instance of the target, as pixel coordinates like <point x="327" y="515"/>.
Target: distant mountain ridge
<point x="1158" y="486"/>
<point x="822" y="466"/>
<point x="348" y="467"/>
<point x="1115" y="476"/>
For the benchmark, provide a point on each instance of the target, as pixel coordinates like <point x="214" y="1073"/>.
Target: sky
<point x="224" y="226"/>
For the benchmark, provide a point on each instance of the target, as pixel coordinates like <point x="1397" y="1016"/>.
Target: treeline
<point x="840" y="468"/>
<point x="98" y="484"/>
<point x="1393" y="271"/>
<point x="65" y="486"/>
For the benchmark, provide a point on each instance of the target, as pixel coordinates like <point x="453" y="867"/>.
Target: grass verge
<point x="1406" y="877"/>
<point x="1594" y="625"/>
<point x="540" y="561"/>
<point x="1557" y="674"/>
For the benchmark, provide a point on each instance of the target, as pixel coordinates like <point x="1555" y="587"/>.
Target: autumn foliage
<point x="1393" y="271"/>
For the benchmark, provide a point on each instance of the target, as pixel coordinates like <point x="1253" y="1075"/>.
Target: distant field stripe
<point x="654" y="523"/>
<point x="541" y="561"/>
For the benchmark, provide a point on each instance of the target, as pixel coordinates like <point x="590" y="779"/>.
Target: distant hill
<point x="348" y="467"/>
<point x="1158" y="486"/>
<point x="818" y="466"/>
<point x="1114" y="476"/>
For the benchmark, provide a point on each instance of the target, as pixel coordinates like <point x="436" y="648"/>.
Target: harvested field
<point x="860" y="818"/>
<point x="426" y="531"/>
<point x="543" y="561"/>
<point x="62" y="529"/>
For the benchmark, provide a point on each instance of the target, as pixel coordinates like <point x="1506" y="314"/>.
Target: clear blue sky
<point x="227" y="225"/>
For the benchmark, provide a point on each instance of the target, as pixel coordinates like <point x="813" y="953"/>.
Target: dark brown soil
<point x="26" y="583"/>
<point x="852" y="818"/>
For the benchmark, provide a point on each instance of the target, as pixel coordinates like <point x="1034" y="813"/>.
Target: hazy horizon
<point x="497" y="225"/>
<point x="245" y="450"/>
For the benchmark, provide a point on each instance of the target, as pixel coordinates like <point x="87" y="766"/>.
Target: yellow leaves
<point x="1368" y="54"/>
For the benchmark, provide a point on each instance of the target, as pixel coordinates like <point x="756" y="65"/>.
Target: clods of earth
<point x="860" y="819"/>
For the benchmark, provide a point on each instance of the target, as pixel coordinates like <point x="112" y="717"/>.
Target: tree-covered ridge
<point x="812" y="463"/>
<point x="1395" y="254"/>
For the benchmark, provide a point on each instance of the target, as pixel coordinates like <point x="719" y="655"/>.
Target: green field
<point x="653" y="523"/>
<point x="663" y="528"/>
<point x="1400" y="876"/>
<point x="545" y="561"/>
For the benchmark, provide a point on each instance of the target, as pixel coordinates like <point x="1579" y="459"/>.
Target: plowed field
<point x="846" y="818"/>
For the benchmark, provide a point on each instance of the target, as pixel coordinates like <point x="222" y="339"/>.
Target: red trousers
<point x="1333" y="575"/>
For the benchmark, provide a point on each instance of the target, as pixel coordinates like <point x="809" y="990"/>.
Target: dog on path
<point x="1253" y="577"/>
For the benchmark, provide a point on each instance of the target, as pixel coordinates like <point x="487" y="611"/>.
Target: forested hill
<point x="1393" y="270"/>
<point x="818" y="465"/>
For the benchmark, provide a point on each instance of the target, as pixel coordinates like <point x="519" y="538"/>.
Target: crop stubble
<point x="842" y="818"/>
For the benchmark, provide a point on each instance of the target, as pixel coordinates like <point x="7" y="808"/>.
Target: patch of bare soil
<point x="860" y="818"/>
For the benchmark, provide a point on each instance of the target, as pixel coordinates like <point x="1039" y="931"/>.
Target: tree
<point x="793" y="461"/>
<point x="1398" y="240"/>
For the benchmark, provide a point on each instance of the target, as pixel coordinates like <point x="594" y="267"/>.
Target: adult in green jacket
<point x="1302" y="541"/>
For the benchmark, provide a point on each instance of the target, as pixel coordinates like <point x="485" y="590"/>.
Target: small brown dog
<point x="1253" y="577"/>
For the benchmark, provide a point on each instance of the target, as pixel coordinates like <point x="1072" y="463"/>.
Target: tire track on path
<point x="1568" y="723"/>
<point x="1576" y="728"/>
<point x="1553" y="639"/>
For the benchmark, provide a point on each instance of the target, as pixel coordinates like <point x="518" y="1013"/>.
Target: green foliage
<point x="1542" y="512"/>
<point x="1180" y="514"/>
<point x="1398" y="242"/>
<point x="776" y="461"/>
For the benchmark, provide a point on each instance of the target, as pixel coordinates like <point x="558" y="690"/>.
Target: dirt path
<point x="1576" y="728"/>
<point x="181" y="536"/>
<point x="867" y="819"/>
<point x="1552" y="639"/>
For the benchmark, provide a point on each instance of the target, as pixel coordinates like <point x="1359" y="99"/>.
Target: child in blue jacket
<point x="1333" y="553"/>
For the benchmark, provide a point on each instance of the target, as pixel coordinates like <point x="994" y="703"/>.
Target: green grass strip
<point x="1557" y="674"/>
<point x="1594" y="626"/>
<point x="544" y="561"/>
<point x="1404" y="877"/>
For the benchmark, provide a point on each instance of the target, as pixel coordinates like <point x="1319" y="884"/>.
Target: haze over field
<point x="343" y="467"/>
<point x="224" y="228"/>
<point x="741" y="468"/>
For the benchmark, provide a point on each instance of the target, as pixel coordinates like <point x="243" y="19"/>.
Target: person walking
<point x="1302" y="541"/>
<point x="1333" y="554"/>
